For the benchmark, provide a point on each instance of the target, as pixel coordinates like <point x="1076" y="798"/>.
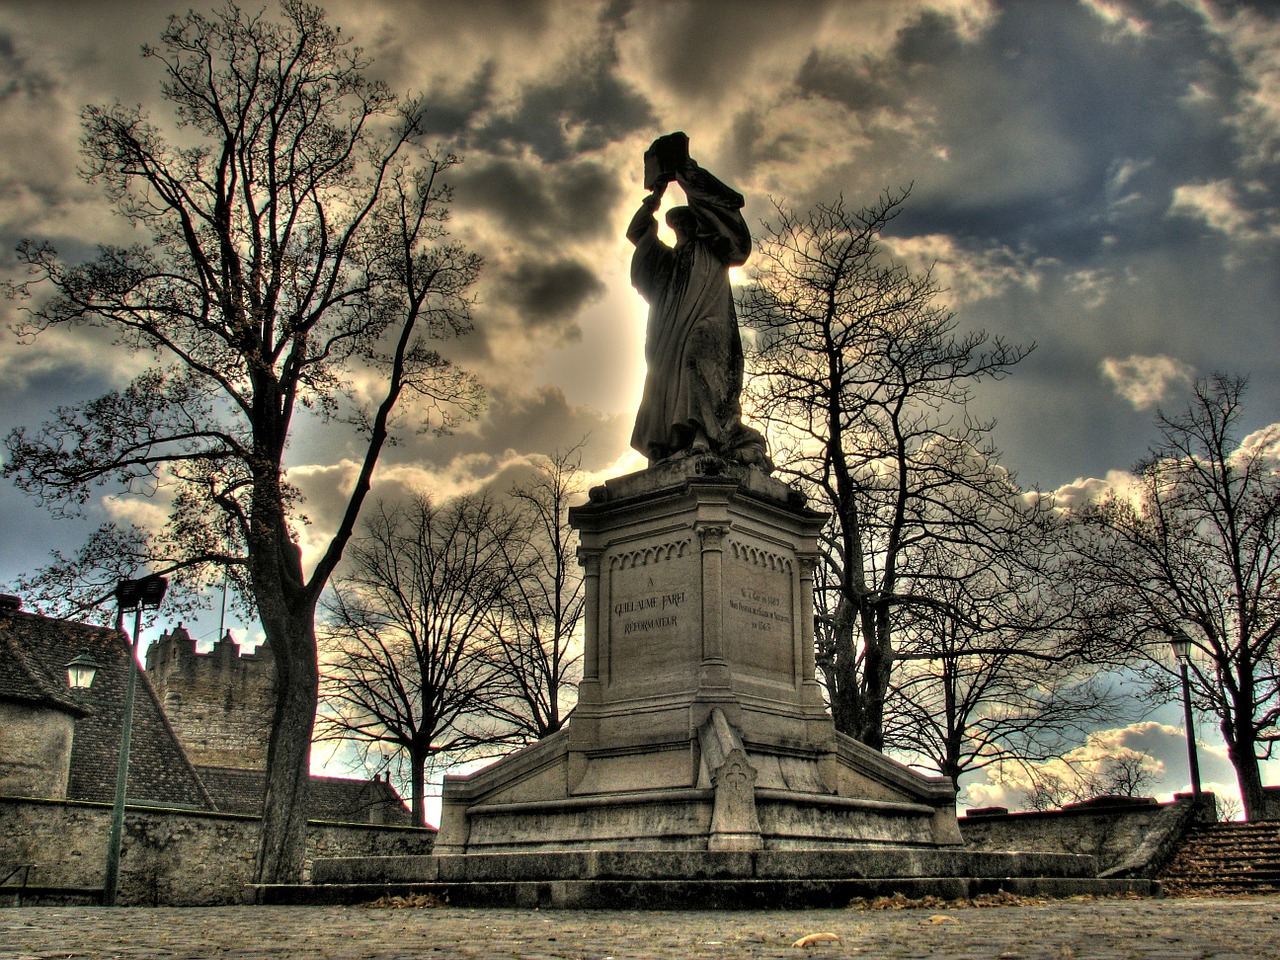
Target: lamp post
<point x="1181" y="645"/>
<point x="135" y="595"/>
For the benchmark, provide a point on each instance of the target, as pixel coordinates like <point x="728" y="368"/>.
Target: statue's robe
<point x="692" y="346"/>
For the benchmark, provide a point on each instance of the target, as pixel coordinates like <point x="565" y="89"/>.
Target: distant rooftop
<point x="34" y="652"/>
<point x="332" y="798"/>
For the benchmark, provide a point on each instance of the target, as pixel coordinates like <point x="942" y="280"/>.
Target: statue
<point x="693" y="351"/>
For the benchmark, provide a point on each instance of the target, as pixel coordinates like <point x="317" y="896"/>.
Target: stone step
<point x="1221" y="890"/>
<point x="851" y="863"/>
<point x="1234" y="844"/>
<point x="777" y="894"/>
<point x="672" y="879"/>
<point x="1199" y="856"/>
<point x="1267" y="835"/>
<point x="1227" y="858"/>
<point x="1225" y="872"/>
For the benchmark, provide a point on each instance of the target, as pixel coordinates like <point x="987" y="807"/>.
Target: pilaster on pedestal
<point x="713" y="676"/>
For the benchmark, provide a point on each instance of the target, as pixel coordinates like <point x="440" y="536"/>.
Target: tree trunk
<point x="286" y="609"/>
<point x="952" y="771"/>
<point x="877" y="666"/>
<point x="1241" y="751"/>
<point x="418" y="766"/>
<point x="842" y="677"/>
<point x="953" y="742"/>
<point x="857" y="698"/>
<point x="285" y="805"/>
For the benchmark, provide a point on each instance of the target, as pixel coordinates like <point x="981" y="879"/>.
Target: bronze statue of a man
<point x="691" y="402"/>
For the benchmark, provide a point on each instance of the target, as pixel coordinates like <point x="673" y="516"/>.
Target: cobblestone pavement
<point x="1248" y="929"/>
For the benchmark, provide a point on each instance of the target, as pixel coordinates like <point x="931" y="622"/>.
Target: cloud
<point x="551" y="293"/>
<point x="1119" y="17"/>
<point x="696" y="54"/>
<point x="1253" y="40"/>
<point x="525" y="420"/>
<point x="965" y="275"/>
<point x="40" y="192"/>
<point x="516" y="427"/>
<point x="450" y="105"/>
<point x="327" y="487"/>
<point x="1160" y="750"/>
<point x="1264" y="443"/>
<point x="20" y="76"/>
<point x="1221" y="207"/>
<point x="60" y="357"/>
<point x="1092" y="286"/>
<point x="582" y="106"/>
<point x="147" y="513"/>
<point x="1146" y="381"/>
<point x="1085" y="490"/>
<point x="1122" y="484"/>
<point x="861" y="85"/>
<point x="545" y="203"/>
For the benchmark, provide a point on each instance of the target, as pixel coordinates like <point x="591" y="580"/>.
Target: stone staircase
<point x="1218" y="858"/>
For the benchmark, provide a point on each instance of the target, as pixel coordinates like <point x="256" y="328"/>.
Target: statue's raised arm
<point x="693" y="350"/>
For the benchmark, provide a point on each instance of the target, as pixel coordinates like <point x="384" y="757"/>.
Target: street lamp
<point x="81" y="671"/>
<point x="1181" y="645"/>
<point x="135" y="595"/>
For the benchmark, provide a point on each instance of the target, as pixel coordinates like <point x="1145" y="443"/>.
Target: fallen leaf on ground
<point x="410" y="902"/>
<point x="811" y="939"/>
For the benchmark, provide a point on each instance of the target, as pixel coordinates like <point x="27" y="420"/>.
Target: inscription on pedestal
<point x="760" y="615"/>
<point x="654" y="615"/>
<point x="762" y="612"/>
<point x="650" y="610"/>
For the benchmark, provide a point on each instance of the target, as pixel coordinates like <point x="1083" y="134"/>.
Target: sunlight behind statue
<point x="691" y="401"/>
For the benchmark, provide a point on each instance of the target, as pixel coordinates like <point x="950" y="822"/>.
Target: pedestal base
<point x="699" y="726"/>
<point x="630" y="880"/>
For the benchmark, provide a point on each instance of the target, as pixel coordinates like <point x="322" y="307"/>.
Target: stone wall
<point x="1270" y="803"/>
<point x="35" y="749"/>
<point x="169" y="857"/>
<point x="1111" y="833"/>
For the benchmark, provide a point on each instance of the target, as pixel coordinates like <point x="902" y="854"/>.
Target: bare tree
<point x="1194" y="550"/>
<point x="411" y="667"/>
<point x="864" y="382"/>
<point x="540" y="654"/>
<point x="1125" y="773"/>
<point x="1229" y="809"/>
<point x="991" y="674"/>
<point x="295" y="239"/>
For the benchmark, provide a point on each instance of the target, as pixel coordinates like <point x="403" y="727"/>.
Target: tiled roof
<point x="25" y="679"/>
<point x="233" y="790"/>
<point x="332" y="798"/>
<point x="32" y="646"/>
<point x="358" y="801"/>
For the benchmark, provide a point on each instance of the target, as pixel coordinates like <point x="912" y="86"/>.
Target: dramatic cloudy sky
<point x="1100" y="178"/>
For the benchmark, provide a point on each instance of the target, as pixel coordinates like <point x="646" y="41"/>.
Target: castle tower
<point x="219" y="703"/>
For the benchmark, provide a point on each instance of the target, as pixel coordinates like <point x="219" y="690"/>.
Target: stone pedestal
<point x="699" y="725"/>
